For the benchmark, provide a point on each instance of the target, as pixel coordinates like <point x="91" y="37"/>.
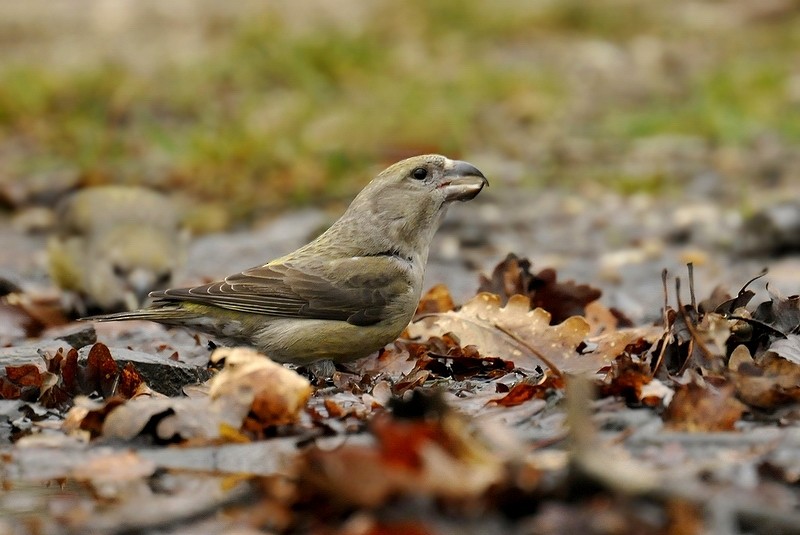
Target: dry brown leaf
<point x="251" y="391"/>
<point x="703" y="408"/>
<point x="626" y="379"/>
<point x="437" y="299"/>
<point x="415" y="457"/>
<point x="25" y="375"/>
<point x="562" y="300"/>
<point x="523" y="391"/>
<point x="168" y="419"/>
<point x="787" y="348"/>
<point x="609" y="345"/>
<point x="740" y="356"/>
<point x="600" y="318"/>
<point x="715" y="329"/>
<point x="477" y="322"/>
<point x="252" y="384"/>
<point x="391" y="362"/>
<point x="768" y="384"/>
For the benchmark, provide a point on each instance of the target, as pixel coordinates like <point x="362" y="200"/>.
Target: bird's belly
<point x="307" y="340"/>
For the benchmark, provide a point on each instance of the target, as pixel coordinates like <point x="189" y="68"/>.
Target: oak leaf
<point x="514" y="332"/>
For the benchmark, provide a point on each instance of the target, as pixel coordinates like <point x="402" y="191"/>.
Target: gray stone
<point x="31" y="353"/>
<point x="76" y="335"/>
<point x="162" y="375"/>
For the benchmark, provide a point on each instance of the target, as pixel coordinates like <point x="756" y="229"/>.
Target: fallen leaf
<point x="781" y="313"/>
<point x="165" y="420"/>
<point x="609" y="345"/>
<point x="479" y="323"/>
<point x="703" y="408"/>
<point x="768" y="383"/>
<point x="435" y="453"/>
<point x="130" y="380"/>
<point x="437" y="299"/>
<point x="251" y="391"/>
<point x="101" y="371"/>
<point x="252" y="384"/>
<point x="787" y="348"/>
<point x="25" y="375"/>
<point x="524" y="391"/>
<point x="562" y="300"/>
<point x="392" y="362"/>
<point x="626" y="379"/>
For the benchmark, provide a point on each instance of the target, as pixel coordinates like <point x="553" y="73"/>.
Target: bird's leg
<point x="319" y="371"/>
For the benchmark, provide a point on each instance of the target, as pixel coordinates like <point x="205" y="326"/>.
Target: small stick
<point x="530" y="348"/>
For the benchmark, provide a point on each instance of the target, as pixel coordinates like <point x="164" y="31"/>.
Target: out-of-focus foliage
<point x="275" y="103"/>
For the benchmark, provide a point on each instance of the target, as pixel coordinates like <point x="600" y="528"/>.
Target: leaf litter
<point x="530" y="408"/>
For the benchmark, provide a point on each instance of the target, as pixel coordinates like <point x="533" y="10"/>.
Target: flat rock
<point x="75" y="334"/>
<point x="162" y="375"/>
<point x="31" y="353"/>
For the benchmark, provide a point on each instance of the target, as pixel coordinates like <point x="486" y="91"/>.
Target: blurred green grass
<point x="279" y="116"/>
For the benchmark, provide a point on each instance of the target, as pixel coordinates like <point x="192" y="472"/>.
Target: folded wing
<point x="357" y="290"/>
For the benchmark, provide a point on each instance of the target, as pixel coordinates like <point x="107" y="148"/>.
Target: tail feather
<point x="163" y="315"/>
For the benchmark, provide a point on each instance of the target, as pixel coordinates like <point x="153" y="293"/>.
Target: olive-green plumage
<point x="347" y="293"/>
<point x="113" y="245"/>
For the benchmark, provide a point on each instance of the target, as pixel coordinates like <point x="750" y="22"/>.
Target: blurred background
<point x="619" y="136"/>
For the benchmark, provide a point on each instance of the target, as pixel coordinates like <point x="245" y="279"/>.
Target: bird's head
<point x="407" y="200"/>
<point x="431" y="178"/>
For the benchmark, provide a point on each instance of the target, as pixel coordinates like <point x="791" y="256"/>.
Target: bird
<point x="344" y="295"/>
<point x="113" y="245"/>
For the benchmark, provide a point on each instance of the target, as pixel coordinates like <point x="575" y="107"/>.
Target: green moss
<point x="653" y="184"/>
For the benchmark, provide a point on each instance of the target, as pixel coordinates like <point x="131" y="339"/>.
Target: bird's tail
<point x="162" y="315"/>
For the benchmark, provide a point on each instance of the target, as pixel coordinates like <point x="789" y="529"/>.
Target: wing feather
<point x="359" y="294"/>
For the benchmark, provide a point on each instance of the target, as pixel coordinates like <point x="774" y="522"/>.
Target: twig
<point x="666" y="295"/>
<point x="660" y="358"/>
<point x="526" y="345"/>
<point x="692" y="331"/>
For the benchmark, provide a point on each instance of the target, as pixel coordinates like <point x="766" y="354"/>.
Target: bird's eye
<point x="119" y="271"/>
<point x="419" y="173"/>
